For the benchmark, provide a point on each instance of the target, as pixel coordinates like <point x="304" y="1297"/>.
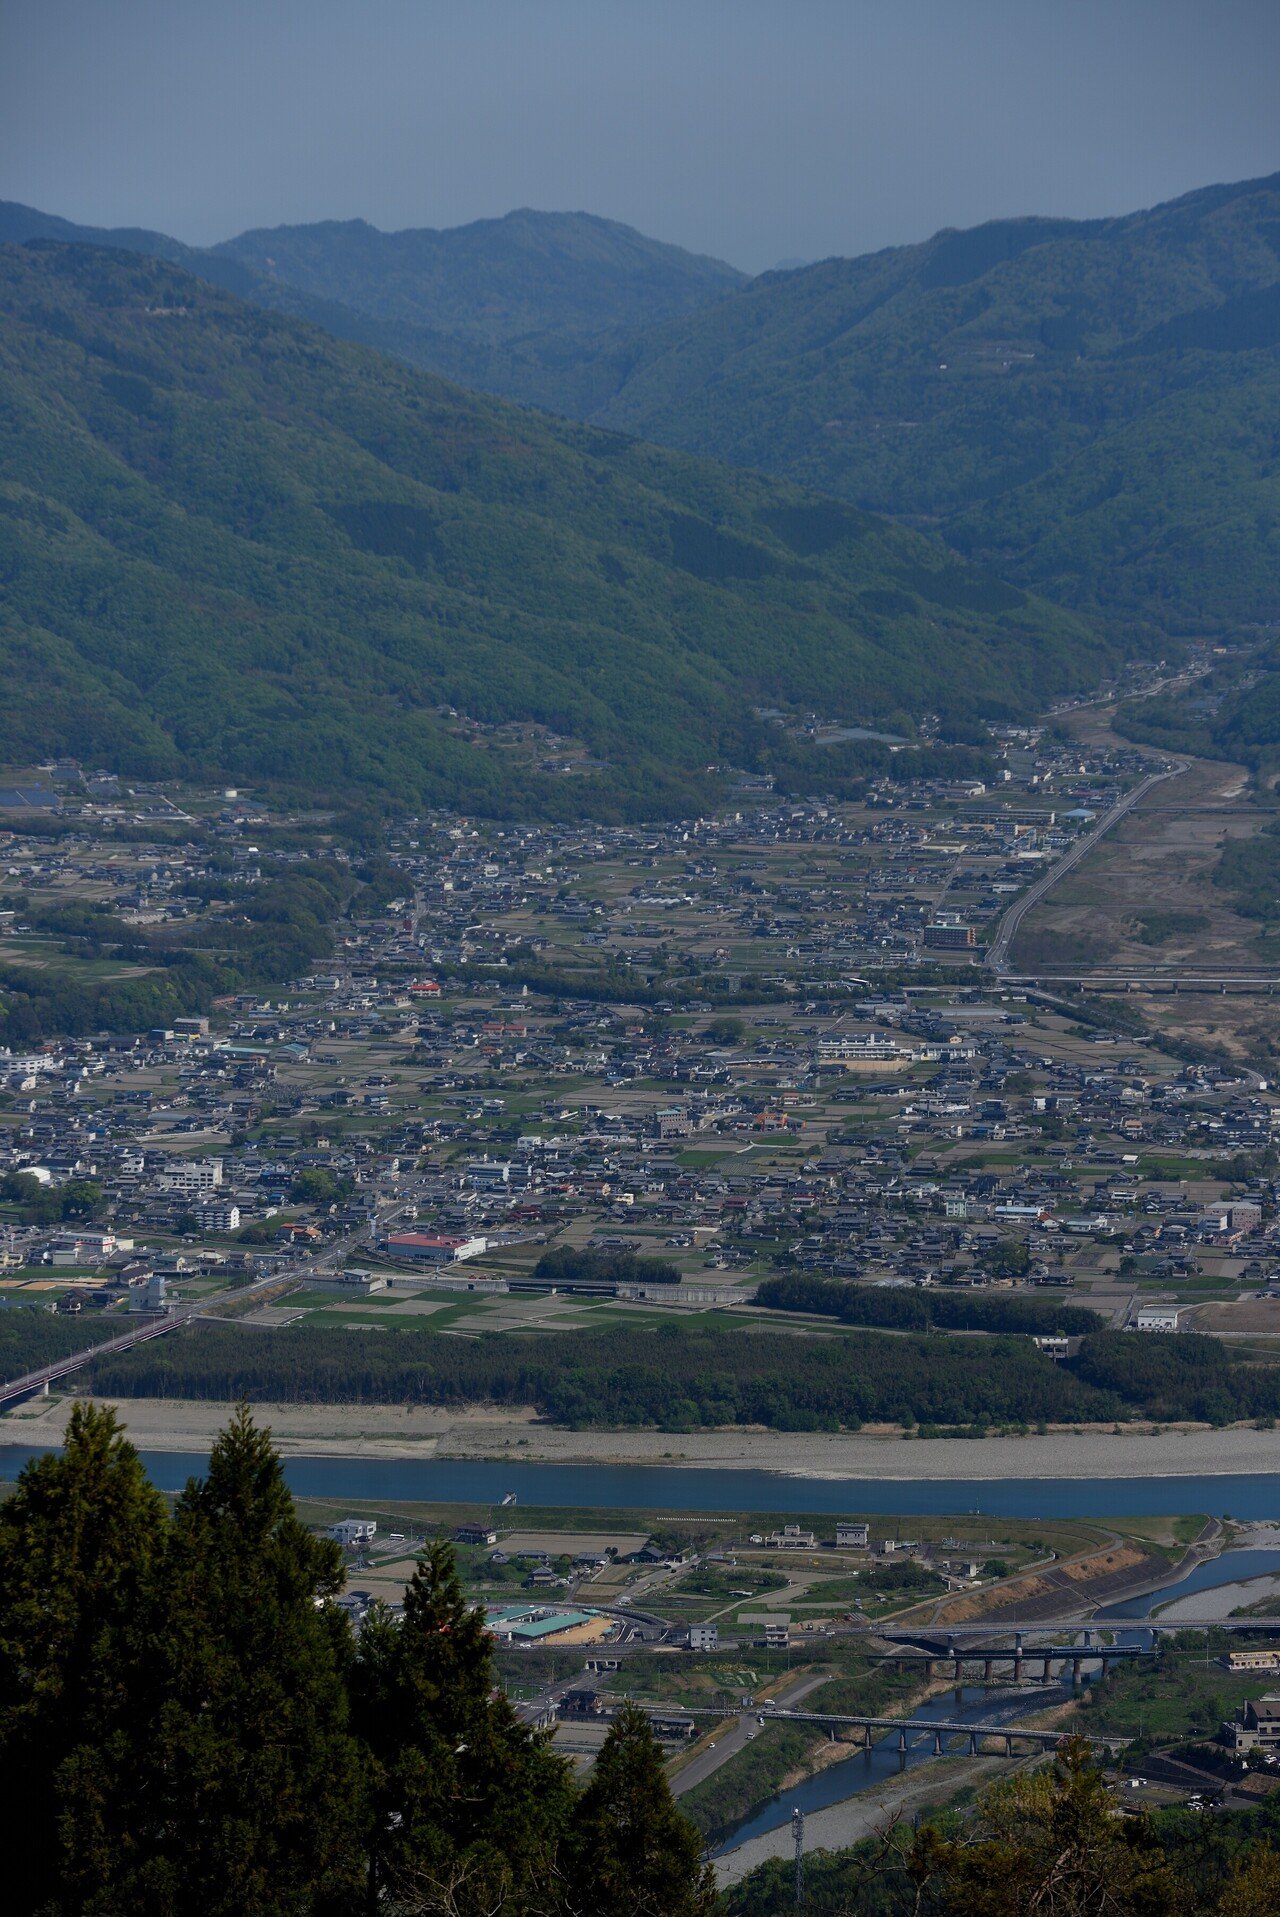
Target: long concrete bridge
<point x="941" y="1729"/>
<point x="942" y="1640"/>
<point x="868" y="1728"/>
<point x="933" y="1657"/>
<point x="31" y="1382"/>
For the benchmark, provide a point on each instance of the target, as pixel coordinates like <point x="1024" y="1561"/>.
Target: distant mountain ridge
<point x="553" y="290"/>
<point x="234" y="547"/>
<point x="493" y="280"/>
<point x="1089" y="407"/>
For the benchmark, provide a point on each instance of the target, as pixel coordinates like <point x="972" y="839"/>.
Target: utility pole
<point x="797" y="1831"/>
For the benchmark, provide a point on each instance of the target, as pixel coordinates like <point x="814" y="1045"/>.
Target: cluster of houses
<point x="416" y="1095"/>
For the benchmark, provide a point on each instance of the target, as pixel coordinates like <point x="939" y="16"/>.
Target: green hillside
<point x="232" y="546"/>
<point x="1093" y="408"/>
<point x="533" y="306"/>
<point x="493" y="280"/>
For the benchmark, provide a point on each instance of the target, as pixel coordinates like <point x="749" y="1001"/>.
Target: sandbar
<point x="480" y="1432"/>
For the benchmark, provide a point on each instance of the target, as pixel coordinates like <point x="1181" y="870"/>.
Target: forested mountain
<point x="1089" y="408"/>
<point x="232" y="546"/>
<point x="493" y="280"/>
<point x="1092" y="407"/>
<point x="533" y="306"/>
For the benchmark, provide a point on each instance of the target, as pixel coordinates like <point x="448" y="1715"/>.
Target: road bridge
<point x="942" y="1730"/>
<point x="934" y="1657"/>
<point x="866" y="1728"/>
<point x="263" y="1289"/>
<point x="929" y="1638"/>
<point x="31" y="1382"/>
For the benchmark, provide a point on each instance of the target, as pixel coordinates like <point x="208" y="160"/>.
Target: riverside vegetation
<point x="680" y="1378"/>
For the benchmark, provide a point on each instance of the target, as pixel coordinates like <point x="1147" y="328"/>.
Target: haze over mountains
<point x="1087" y="407"/>
<point x="235" y="547"/>
<point x="513" y="306"/>
<point x="1090" y="411"/>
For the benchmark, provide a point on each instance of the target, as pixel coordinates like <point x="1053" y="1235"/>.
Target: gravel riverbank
<point x="394" y="1431"/>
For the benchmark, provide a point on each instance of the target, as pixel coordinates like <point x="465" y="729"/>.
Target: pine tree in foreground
<point x="79" y="1540"/>
<point x="630" y="1852"/>
<point x="188" y="1726"/>
<point x="252" y="1779"/>
<point x="467" y="1803"/>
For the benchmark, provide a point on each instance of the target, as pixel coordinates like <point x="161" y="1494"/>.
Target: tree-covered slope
<point x="232" y="546"/>
<point x="533" y="307"/>
<point x="1092" y="407"/>
<point x="494" y="279"/>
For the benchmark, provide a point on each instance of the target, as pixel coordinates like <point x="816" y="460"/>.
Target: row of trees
<point x="187" y="1722"/>
<point x="573" y="1265"/>
<point x="680" y="1377"/>
<point x="910" y="1310"/>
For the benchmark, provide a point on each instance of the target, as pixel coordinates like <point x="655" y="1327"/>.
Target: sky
<point x="755" y="130"/>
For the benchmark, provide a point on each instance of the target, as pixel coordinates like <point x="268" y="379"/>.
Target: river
<point x="851" y="1776"/>
<point x="656" y="1488"/>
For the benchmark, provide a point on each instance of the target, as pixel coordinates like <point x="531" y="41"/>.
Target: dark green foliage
<point x="79" y="1541"/>
<point x="1187" y="1377"/>
<point x="186" y="1723"/>
<point x="30" y="1337"/>
<point x="39" y="1204"/>
<point x="466" y="1803"/>
<point x="251" y="1777"/>
<point x="567" y="1265"/>
<point x="1007" y="1258"/>
<point x="917" y="1310"/>
<point x="630" y="1851"/>
<point x="1249" y="871"/>
<point x="296" y="557"/>
<point x="678" y="1377"/>
<point x="318" y="1187"/>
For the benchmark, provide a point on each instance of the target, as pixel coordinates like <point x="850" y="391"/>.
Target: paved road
<point x="998" y="951"/>
<point x="736" y="1734"/>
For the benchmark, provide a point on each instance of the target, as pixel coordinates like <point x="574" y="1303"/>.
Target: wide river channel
<point x="657" y="1488"/>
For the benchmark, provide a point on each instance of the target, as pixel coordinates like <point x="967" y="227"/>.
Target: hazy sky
<point x="753" y="129"/>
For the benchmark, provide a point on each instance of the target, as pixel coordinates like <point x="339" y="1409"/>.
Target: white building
<point x="218" y="1217"/>
<point x="1155" y="1318"/>
<point x="350" y="1532"/>
<point x="433" y="1248"/>
<point x="192" y="1175"/>
<point x="704" y="1637"/>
